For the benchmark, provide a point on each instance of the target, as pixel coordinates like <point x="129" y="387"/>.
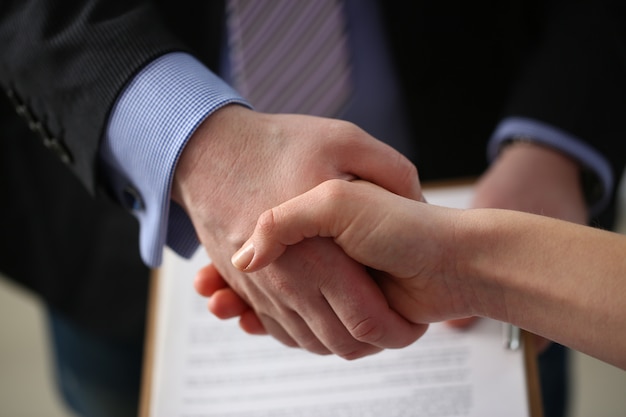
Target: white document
<point x="204" y="367"/>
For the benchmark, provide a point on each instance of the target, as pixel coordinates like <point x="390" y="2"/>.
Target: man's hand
<point x="240" y="163"/>
<point x="224" y="302"/>
<point x="534" y="179"/>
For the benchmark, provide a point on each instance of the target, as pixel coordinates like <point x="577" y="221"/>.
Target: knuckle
<point x="335" y="191"/>
<point x="368" y="330"/>
<point x="313" y="345"/>
<point x="343" y="128"/>
<point x="408" y="170"/>
<point x="355" y="350"/>
<point x="266" y="224"/>
<point x="343" y="134"/>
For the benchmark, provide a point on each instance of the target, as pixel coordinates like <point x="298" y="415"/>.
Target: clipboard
<point x="152" y="360"/>
<point x="528" y="350"/>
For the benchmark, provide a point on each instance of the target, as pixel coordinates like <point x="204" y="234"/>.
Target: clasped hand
<point x="402" y="242"/>
<point x="240" y="163"/>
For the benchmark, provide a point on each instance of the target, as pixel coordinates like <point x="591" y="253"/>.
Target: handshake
<point x="415" y="264"/>
<point x="347" y="267"/>
<point x="374" y="297"/>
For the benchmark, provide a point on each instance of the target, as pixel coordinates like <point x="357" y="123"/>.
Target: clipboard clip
<point x="512" y="336"/>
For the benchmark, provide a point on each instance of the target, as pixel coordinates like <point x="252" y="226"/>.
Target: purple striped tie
<point x="290" y="56"/>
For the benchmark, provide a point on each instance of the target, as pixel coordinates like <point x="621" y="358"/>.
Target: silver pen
<point x="512" y="336"/>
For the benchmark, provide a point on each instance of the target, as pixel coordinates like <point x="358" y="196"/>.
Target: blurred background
<point x="26" y="376"/>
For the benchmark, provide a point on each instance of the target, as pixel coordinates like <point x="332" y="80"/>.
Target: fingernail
<point x="242" y="258"/>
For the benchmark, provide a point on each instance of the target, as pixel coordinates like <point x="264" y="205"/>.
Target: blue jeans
<point x="97" y="376"/>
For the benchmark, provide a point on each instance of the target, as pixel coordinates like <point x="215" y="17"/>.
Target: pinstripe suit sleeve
<point x="91" y="80"/>
<point x="63" y="66"/>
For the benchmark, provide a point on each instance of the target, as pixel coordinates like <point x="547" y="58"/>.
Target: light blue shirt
<point x="148" y="128"/>
<point x="163" y="105"/>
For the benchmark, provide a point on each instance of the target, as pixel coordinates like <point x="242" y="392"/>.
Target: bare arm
<point x="560" y="280"/>
<point x="536" y="179"/>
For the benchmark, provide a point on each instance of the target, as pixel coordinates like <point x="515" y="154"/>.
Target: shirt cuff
<point x="543" y="133"/>
<point x="148" y="128"/>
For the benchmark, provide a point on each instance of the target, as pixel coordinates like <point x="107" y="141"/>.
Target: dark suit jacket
<point x="462" y="66"/>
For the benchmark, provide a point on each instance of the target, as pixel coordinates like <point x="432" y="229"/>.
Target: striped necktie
<point x="290" y="56"/>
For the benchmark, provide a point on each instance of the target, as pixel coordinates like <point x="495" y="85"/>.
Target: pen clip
<point x="512" y="336"/>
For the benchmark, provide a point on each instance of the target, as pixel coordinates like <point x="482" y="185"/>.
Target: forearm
<point x="553" y="278"/>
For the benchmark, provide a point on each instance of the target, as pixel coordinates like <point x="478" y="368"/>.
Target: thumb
<point x="248" y="259"/>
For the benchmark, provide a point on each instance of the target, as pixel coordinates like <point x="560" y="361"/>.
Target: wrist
<point x="481" y="237"/>
<point x="555" y="164"/>
<point x="527" y="150"/>
<point x="207" y="154"/>
<point x="534" y="178"/>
